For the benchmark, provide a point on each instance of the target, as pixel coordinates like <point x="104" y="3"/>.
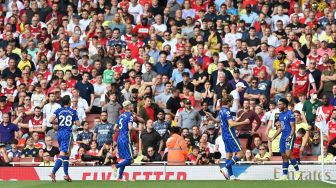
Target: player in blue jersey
<point x="231" y="142"/>
<point x="65" y="117"/>
<point x="124" y="145"/>
<point x="287" y="130"/>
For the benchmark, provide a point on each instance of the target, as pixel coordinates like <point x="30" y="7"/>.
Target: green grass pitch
<point x="167" y="184"/>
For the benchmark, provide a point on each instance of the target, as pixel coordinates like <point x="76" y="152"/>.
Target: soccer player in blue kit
<point x="66" y="117"/>
<point x="287" y="130"/>
<point x="124" y="145"/>
<point x="231" y="142"/>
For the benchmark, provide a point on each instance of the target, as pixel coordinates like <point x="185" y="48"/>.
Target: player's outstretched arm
<point x="235" y="123"/>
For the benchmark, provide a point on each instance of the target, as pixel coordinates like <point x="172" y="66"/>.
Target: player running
<point x="125" y="149"/>
<point x="232" y="144"/>
<point x="287" y="128"/>
<point x="65" y="117"/>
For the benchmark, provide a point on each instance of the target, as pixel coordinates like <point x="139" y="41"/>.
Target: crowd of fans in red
<point x="174" y="60"/>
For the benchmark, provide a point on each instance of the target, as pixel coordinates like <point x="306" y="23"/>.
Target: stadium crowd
<point x="174" y="61"/>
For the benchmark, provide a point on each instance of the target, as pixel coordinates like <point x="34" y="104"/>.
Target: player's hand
<point x="288" y="139"/>
<point x="302" y="148"/>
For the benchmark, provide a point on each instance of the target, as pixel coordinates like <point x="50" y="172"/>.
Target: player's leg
<point x="285" y="163"/>
<point x="59" y="160"/>
<point x="66" y="160"/>
<point x="121" y="166"/>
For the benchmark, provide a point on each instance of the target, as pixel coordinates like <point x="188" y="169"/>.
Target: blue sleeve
<point x="15" y="128"/>
<point x="75" y="116"/>
<point x="291" y="117"/>
<point x="56" y="113"/>
<point x="228" y="115"/>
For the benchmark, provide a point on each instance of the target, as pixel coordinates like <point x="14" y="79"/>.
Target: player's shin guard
<point x="58" y="164"/>
<point x="66" y="165"/>
<point x="295" y="164"/>
<point x="285" y="166"/>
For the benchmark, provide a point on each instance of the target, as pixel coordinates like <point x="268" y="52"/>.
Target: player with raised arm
<point x="124" y="145"/>
<point x="232" y="144"/>
<point x="287" y="130"/>
<point x="66" y="117"/>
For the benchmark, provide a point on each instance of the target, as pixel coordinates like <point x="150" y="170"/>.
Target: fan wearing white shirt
<point x="240" y="86"/>
<point x="135" y="9"/>
<point x="159" y="26"/>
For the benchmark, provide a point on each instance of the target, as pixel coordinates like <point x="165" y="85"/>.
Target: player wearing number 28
<point x="65" y="117"/>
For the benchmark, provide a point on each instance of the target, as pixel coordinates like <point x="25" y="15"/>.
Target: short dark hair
<point x="66" y="100"/>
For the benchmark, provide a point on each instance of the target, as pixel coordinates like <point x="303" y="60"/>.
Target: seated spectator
<point x="37" y="143"/>
<point x="52" y="150"/>
<point x="151" y="156"/>
<point x="327" y="157"/>
<point x="249" y="157"/>
<point x="77" y="158"/>
<point x="14" y="151"/>
<point x="204" y="152"/>
<point x="93" y="148"/>
<point x="257" y="142"/>
<point x="30" y="150"/>
<point x="53" y="132"/>
<point x="263" y="155"/>
<point x="85" y="137"/>
<point x="46" y="160"/>
<point x="193" y="157"/>
<point x="4" y="159"/>
<point x="315" y="145"/>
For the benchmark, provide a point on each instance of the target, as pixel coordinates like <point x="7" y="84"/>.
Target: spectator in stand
<point x="85" y="137"/>
<point x="247" y="131"/>
<point x="46" y="160"/>
<point x="86" y="90"/>
<point x="248" y="157"/>
<point x="262" y="155"/>
<point x="149" y="137"/>
<point x="103" y="131"/>
<point x="50" y="108"/>
<point x="14" y="152"/>
<point x="189" y="117"/>
<point x="257" y="142"/>
<point x="332" y="127"/>
<point x="112" y="108"/>
<point x="193" y="157"/>
<point x="328" y="78"/>
<point x="53" y="131"/>
<point x="52" y="150"/>
<point x="30" y="150"/>
<point x="152" y="155"/>
<point x="310" y="107"/>
<point x="93" y="151"/>
<point x="8" y="130"/>
<point x="4" y="159"/>
<point x="327" y="157"/>
<point x="315" y="145"/>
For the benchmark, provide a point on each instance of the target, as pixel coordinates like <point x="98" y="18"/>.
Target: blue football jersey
<point x="224" y="116"/>
<point x="66" y="118"/>
<point x="123" y="121"/>
<point x="286" y="118"/>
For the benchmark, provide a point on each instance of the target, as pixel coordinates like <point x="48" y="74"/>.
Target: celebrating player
<point x="232" y="144"/>
<point x="125" y="149"/>
<point x="65" y="117"/>
<point x="287" y="128"/>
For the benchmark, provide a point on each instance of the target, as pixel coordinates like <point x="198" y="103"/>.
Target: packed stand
<point x="174" y="61"/>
